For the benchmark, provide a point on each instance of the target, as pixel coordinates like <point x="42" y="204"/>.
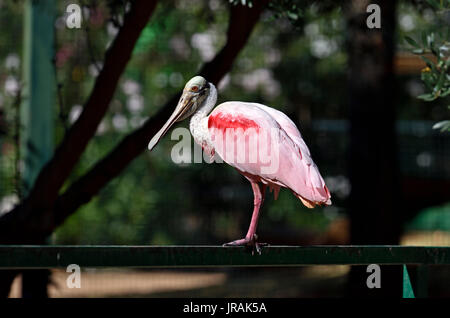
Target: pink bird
<point x="262" y="143"/>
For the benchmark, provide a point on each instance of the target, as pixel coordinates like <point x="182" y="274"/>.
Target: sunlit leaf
<point x="442" y="125"/>
<point x="427" y="97"/>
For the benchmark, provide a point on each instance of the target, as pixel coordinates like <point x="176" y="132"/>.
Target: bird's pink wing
<point x="289" y="163"/>
<point x="289" y="127"/>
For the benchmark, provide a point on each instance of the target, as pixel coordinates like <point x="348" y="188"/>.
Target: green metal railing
<point x="34" y="256"/>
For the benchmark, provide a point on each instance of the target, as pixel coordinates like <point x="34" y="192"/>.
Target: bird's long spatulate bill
<point x="181" y="108"/>
<point x="156" y="138"/>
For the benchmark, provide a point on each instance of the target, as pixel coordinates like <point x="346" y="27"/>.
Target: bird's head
<point x="194" y="94"/>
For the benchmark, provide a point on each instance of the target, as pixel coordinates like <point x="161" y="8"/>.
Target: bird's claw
<point x="248" y="242"/>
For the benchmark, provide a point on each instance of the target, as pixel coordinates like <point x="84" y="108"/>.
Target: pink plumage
<point x="296" y="169"/>
<point x="262" y="143"/>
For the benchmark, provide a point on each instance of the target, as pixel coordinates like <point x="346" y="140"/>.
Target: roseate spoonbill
<point x="295" y="169"/>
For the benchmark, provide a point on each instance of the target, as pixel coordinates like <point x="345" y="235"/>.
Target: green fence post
<point x="408" y="291"/>
<point x="38" y="89"/>
<point x="36" y="111"/>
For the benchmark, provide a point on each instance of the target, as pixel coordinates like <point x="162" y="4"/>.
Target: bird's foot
<point x="248" y="242"/>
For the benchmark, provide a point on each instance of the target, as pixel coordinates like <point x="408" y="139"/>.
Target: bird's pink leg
<point x="250" y="238"/>
<point x="257" y="202"/>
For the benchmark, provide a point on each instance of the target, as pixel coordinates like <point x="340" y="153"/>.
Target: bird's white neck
<point x="198" y="124"/>
<point x="208" y="104"/>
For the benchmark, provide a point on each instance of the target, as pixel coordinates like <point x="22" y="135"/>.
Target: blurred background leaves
<point x="295" y="61"/>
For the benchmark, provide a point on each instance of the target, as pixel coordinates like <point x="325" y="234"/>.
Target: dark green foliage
<point x="295" y="61"/>
<point x="435" y="42"/>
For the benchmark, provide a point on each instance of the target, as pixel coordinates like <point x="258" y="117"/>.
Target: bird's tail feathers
<point x="312" y="204"/>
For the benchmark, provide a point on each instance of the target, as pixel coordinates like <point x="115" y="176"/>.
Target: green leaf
<point x="440" y="82"/>
<point x="430" y="40"/>
<point x="442" y="125"/>
<point x="418" y="51"/>
<point x="428" y="62"/>
<point x="427" y="97"/>
<point x="445" y="92"/>
<point x="434" y="4"/>
<point x="423" y="37"/>
<point x="412" y="42"/>
<point x="292" y="15"/>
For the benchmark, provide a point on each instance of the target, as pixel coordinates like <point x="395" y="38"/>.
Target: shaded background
<point x="301" y="65"/>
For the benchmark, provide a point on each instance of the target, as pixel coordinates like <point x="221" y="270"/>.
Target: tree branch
<point x="51" y="178"/>
<point x="241" y="23"/>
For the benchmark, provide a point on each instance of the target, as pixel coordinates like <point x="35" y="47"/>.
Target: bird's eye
<point x="194" y="88"/>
